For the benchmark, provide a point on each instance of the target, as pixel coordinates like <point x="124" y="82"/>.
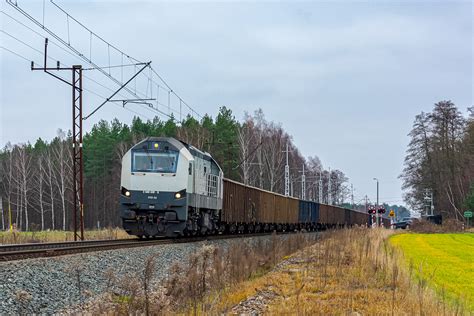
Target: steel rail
<point x="40" y="250"/>
<point x="50" y="245"/>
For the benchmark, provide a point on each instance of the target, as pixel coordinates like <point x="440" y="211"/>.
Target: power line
<point x="80" y="56"/>
<point x="128" y="56"/>
<point x="91" y="32"/>
<point x="86" y="89"/>
<point x="115" y="66"/>
<point x="50" y="57"/>
<point x="109" y="98"/>
<point x="60" y="47"/>
<point x="109" y="45"/>
<point x="14" y="53"/>
<point x="20" y="41"/>
<point x="66" y="44"/>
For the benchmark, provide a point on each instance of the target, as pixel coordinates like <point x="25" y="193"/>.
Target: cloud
<point x="343" y="78"/>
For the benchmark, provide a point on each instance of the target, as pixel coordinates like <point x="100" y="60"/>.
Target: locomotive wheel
<point x="251" y="228"/>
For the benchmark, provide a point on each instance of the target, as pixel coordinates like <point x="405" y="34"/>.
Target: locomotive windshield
<point x="150" y="161"/>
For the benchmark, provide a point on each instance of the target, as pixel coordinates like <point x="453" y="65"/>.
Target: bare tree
<point x="246" y="139"/>
<point x="260" y="131"/>
<point x="6" y="176"/>
<point x="49" y="179"/>
<point x="62" y="157"/>
<point x="22" y="165"/>
<point x="40" y="186"/>
<point x="274" y="143"/>
<point x="438" y="159"/>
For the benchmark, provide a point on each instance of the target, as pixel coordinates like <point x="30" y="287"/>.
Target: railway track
<point x="28" y="251"/>
<point x="40" y="250"/>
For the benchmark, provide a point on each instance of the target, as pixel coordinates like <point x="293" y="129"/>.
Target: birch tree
<point x="62" y="157"/>
<point x="247" y="143"/>
<point x="273" y="146"/>
<point x="49" y="179"/>
<point x="23" y="169"/>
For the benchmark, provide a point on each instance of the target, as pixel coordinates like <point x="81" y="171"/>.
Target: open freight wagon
<point x="253" y="209"/>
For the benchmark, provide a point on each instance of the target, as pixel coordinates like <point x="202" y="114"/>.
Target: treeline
<point x="440" y="161"/>
<point x="35" y="180"/>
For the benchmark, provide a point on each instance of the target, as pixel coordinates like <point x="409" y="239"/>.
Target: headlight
<point x="125" y="192"/>
<point x="180" y="194"/>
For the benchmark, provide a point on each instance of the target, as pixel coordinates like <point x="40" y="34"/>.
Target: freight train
<point x="170" y="188"/>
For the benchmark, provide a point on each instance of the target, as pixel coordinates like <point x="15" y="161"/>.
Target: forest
<point x="439" y="161"/>
<point x="36" y="181"/>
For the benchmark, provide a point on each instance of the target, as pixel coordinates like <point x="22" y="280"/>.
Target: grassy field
<point x="7" y="237"/>
<point x="445" y="261"/>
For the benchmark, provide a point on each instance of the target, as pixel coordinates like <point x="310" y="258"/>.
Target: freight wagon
<point x="250" y="209"/>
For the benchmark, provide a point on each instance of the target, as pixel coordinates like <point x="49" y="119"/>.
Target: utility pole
<point x="303" y="185"/>
<point x="77" y="165"/>
<point x="329" y="188"/>
<point x="320" y="188"/>
<point x="432" y="204"/>
<point x="10" y="215"/>
<point x="352" y="196"/>
<point x="371" y="217"/>
<point x="377" y="205"/>
<point x="3" y="215"/>
<point x="314" y="192"/>
<point x="291" y="186"/>
<point x="287" y="173"/>
<point x="429" y="198"/>
<point x="259" y="157"/>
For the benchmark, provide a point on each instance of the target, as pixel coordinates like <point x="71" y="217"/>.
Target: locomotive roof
<point x="178" y="144"/>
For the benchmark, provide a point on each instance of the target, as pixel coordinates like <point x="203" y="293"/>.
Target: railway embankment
<point x="119" y="280"/>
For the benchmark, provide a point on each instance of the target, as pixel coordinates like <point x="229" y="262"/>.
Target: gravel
<point x="52" y="285"/>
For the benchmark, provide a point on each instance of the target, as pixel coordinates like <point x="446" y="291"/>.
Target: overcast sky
<point x="345" y="79"/>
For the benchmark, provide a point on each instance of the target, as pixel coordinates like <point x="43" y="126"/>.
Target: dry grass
<point x="348" y="272"/>
<point x="197" y="285"/>
<point x="15" y="237"/>
<point x="449" y="226"/>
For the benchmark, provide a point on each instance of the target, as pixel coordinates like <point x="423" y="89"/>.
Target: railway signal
<point x="371" y="210"/>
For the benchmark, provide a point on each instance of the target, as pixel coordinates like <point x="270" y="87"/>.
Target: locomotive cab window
<point x="153" y="161"/>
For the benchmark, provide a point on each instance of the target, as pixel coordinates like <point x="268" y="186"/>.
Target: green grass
<point x="445" y="260"/>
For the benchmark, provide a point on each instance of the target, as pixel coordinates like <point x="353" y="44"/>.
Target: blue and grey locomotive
<point x="169" y="188"/>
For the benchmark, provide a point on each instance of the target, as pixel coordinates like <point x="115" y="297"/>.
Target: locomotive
<point x="170" y="188"/>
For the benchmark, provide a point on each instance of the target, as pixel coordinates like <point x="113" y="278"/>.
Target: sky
<point x="344" y="78"/>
